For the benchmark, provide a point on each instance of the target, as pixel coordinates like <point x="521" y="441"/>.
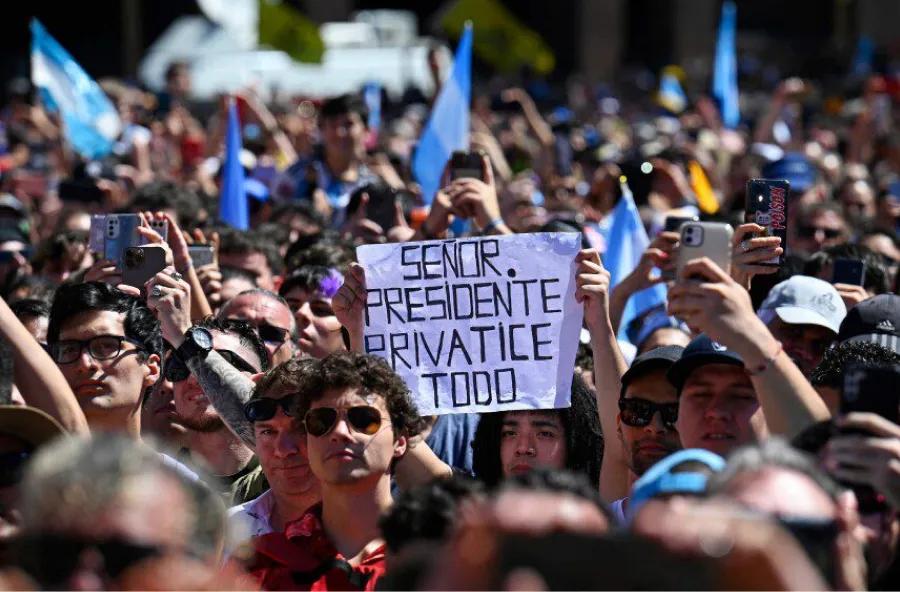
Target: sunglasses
<point x="638" y="413"/>
<point x="52" y="558"/>
<point x="12" y="467"/>
<point x="264" y="409"/>
<point x="362" y="419"/>
<point x="272" y="334"/>
<point x="805" y="231"/>
<point x="176" y="371"/>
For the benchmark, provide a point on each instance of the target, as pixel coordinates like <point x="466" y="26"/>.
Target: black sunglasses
<point x="272" y="334"/>
<point x="363" y="419"/>
<point x="810" y="231"/>
<point x="264" y="409"/>
<point x="176" y="371"/>
<point x="638" y="413"/>
<point x="52" y="558"/>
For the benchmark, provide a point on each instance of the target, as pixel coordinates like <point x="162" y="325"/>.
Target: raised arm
<point x="721" y="308"/>
<point x="609" y="366"/>
<point x="657" y="255"/>
<point x="38" y="377"/>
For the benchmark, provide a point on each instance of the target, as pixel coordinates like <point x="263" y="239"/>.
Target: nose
<point x="717" y="410"/>
<point x="524" y="445"/>
<point x="287" y="444"/>
<point x="341" y="431"/>
<point x="304" y="316"/>
<point x="656" y="425"/>
<point x="85" y="365"/>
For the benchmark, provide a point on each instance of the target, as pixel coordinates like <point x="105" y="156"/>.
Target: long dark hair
<point x="584" y="438"/>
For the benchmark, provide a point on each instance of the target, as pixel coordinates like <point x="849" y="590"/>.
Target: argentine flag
<point x="627" y="241"/>
<point x="91" y="123"/>
<point x="448" y="127"/>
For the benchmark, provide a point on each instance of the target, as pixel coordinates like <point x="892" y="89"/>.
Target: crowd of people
<point x="221" y="426"/>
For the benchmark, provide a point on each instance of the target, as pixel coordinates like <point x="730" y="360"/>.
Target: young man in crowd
<point x="828" y="376"/>
<point x="359" y="418"/>
<point x="108" y="346"/>
<point x="309" y="292"/>
<point x="207" y="436"/>
<point x="804" y="314"/>
<point x="252" y="252"/>
<point x="270" y="316"/>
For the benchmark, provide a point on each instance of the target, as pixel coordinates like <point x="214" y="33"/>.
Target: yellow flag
<point x="706" y="197"/>
<point x="283" y="27"/>
<point x="500" y="39"/>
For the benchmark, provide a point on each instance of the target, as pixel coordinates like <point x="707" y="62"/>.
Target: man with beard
<point x="207" y="436"/>
<point x="648" y="408"/>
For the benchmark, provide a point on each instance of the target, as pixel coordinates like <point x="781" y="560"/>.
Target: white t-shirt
<point x="251" y="519"/>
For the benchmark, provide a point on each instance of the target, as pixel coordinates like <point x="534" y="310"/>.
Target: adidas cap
<point x="876" y="319"/>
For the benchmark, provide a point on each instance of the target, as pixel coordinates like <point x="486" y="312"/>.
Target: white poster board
<point x="476" y="324"/>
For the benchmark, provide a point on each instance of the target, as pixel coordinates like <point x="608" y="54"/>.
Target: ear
<point x="619" y="424"/>
<point x="400" y="446"/>
<point x="153" y="370"/>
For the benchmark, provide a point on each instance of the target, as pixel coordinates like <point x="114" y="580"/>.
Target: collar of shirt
<point x="255" y="516"/>
<point x="309" y="530"/>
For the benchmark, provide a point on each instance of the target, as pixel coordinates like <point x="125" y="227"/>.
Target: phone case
<point x="139" y="264"/>
<point x="849" y="271"/>
<point x="161" y="227"/>
<point x="98" y="234"/>
<point x="705" y="239"/>
<point x="121" y="233"/>
<point x="767" y="205"/>
<point x="201" y="255"/>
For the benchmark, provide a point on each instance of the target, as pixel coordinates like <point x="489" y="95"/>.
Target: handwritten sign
<point x="476" y="324"/>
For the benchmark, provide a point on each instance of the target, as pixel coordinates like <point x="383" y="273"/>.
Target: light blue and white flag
<point x="725" y="84"/>
<point x="448" y="126"/>
<point x="626" y="242"/>
<point x="671" y="95"/>
<point x="91" y="124"/>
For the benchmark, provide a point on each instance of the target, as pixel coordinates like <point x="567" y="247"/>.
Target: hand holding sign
<point x="349" y="304"/>
<point x="472" y="325"/>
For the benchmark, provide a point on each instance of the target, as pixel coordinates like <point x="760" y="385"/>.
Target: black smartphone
<point x="382" y="206"/>
<point x="673" y="223"/>
<point x="140" y="264"/>
<point x="870" y="390"/>
<point x="613" y="562"/>
<point x="467" y="165"/>
<point x="767" y="205"/>
<point x="80" y="191"/>
<point x="849" y="271"/>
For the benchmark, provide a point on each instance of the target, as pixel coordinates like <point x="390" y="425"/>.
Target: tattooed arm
<point x="228" y="390"/>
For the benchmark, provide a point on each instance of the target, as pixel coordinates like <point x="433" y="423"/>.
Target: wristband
<point x="767" y="362"/>
<point x="492" y="225"/>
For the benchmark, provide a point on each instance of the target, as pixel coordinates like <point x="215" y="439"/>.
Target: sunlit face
<point x="804" y="344"/>
<point x="255" y="264"/>
<point x="159" y="416"/>
<point x="346" y="457"/>
<point x="663" y="337"/>
<point x="320" y="331"/>
<point x="645" y="446"/>
<point x="344" y="135"/>
<point x="37" y="326"/>
<point x="109" y="391"/>
<point x="259" y="309"/>
<point x="530" y="439"/>
<point x="821" y="229"/>
<point x="718" y="410"/>
<point x="194" y="410"/>
<point x="282" y="451"/>
<point x="777" y="491"/>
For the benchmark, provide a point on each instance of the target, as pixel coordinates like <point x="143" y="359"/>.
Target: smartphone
<point x="382" y="206"/>
<point x="705" y="239"/>
<point x="673" y="223"/>
<point x="849" y="271"/>
<point x="202" y="254"/>
<point x="767" y="205"/>
<point x="120" y="232"/>
<point x="467" y="165"/>
<point x="140" y="264"/>
<point x="161" y="227"/>
<point x="80" y="191"/>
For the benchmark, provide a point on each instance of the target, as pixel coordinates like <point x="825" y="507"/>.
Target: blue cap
<point x="642" y="328"/>
<point x="659" y="479"/>
<point x="795" y="168"/>
<point x="256" y="189"/>
<point x="700" y="352"/>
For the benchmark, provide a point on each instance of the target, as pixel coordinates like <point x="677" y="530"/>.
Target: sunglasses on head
<point x="52" y="558"/>
<point x="810" y="231"/>
<point x="638" y="413"/>
<point x="176" y="371"/>
<point x="264" y="409"/>
<point x="362" y="419"/>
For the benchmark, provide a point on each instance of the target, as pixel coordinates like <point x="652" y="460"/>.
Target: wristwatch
<point x="197" y="342"/>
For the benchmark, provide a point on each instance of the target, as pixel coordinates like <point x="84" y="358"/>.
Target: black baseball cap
<point x="660" y="358"/>
<point x="701" y="351"/>
<point x="876" y="319"/>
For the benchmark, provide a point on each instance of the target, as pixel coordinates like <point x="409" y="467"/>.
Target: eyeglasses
<point x="264" y="409"/>
<point x="363" y="419"/>
<point x="638" y="413"/>
<point x="52" y="558"/>
<point x="12" y="467"/>
<point x="176" y="371"/>
<point x="268" y="333"/>
<point x="102" y="347"/>
<point x="805" y="231"/>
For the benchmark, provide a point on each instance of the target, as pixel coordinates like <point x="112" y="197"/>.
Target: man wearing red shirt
<point x="358" y="416"/>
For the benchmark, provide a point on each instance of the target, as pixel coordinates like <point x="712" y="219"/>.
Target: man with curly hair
<point x="358" y="417"/>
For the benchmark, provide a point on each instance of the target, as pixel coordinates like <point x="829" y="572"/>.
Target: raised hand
<point x="349" y="304"/>
<point x="592" y="288"/>
<point x="748" y="253"/>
